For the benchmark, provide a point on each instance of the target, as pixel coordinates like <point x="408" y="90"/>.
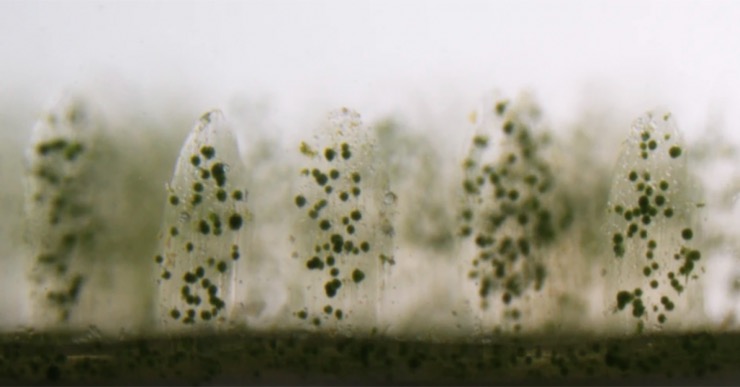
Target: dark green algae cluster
<point x="61" y="209"/>
<point x="652" y="220"/>
<point x="206" y="211"/>
<point x="347" y="240"/>
<point x="508" y="212"/>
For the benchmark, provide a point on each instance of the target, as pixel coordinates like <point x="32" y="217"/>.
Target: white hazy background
<point x="430" y="58"/>
<point x="378" y="56"/>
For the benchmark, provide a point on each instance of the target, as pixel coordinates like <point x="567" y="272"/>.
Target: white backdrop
<point x="373" y="55"/>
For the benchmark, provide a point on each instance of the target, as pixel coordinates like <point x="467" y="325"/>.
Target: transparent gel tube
<point x="508" y="219"/>
<point x="651" y="225"/>
<point x="205" y="233"/>
<point x="63" y="217"/>
<point x="343" y="237"/>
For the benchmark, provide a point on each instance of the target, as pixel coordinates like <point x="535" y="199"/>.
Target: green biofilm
<point x="650" y="221"/>
<point x="507" y="220"/>
<point x="204" y="228"/>
<point x="62" y="218"/>
<point x="344" y="236"/>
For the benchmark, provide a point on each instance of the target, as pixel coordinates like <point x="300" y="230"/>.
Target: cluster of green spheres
<point x="337" y="239"/>
<point x="508" y="213"/>
<point x="649" y="212"/>
<point x="60" y="172"/>
<point x="202" y="239"/>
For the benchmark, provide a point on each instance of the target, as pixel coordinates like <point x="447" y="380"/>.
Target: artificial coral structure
<point x="509" y="215"/>
<point x="651" y="220"/>
<point x="344" y="236"/>
<point x="62" y="217"/>
<point x="205" y="229"/>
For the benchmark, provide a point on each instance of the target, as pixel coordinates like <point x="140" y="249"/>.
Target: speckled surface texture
<point x="248" y="358"/>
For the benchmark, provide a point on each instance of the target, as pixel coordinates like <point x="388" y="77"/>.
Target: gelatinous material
<point x="651" y="228"/>
<point x="343" y="238"/>
<point x="508" y="218"/>
<point x="61" y="211"/>
<point x="205" y="229"/>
